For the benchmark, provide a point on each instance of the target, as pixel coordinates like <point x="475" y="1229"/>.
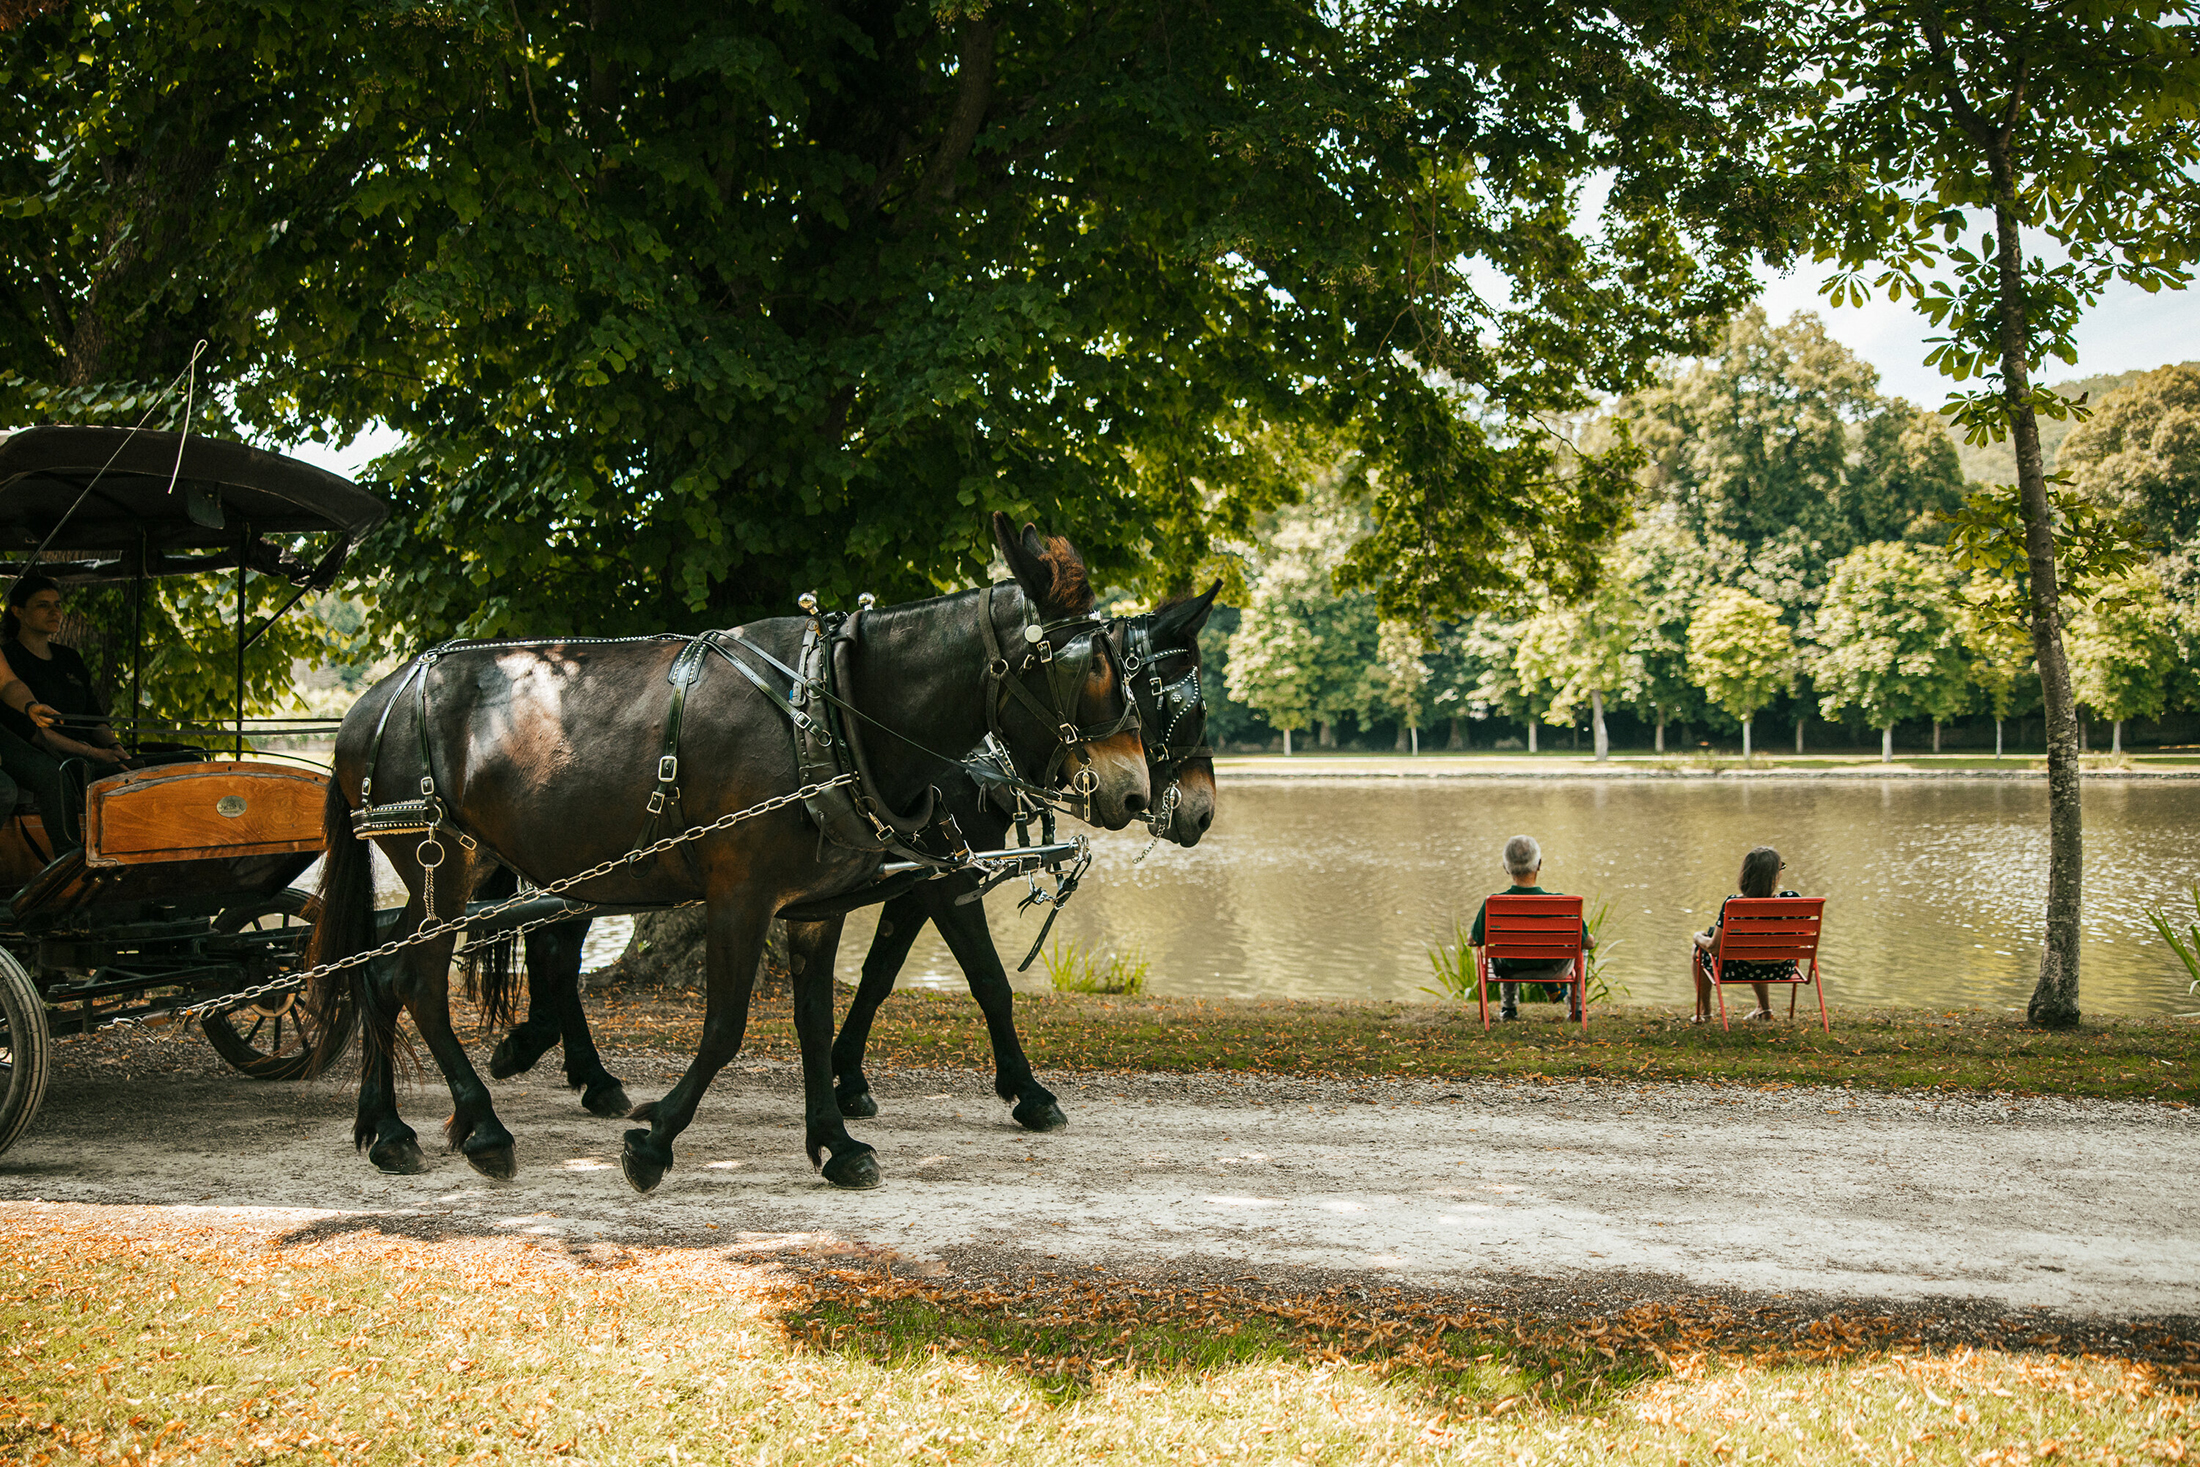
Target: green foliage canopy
<point x="1892" y="632"/>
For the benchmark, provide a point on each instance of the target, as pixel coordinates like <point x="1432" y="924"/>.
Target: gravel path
<point x="2074" y="1207"/>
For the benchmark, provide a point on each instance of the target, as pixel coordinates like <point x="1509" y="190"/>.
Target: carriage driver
<point x="35" y="676"/>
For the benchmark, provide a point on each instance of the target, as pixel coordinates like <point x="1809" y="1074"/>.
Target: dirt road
<point x="2075" y="1207"/>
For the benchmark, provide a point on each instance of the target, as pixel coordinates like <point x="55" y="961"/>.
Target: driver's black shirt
<point x="61" y="681"/>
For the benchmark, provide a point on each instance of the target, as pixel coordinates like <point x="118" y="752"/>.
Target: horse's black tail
<point x="344" y="924"/>
<point x="489" y="965"/>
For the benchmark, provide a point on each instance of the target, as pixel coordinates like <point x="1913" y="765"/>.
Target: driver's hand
<point x="42" y="714"/>
<point x="107" y="756"/>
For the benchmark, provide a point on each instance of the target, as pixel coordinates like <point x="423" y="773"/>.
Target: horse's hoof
<point x="1040" y="1115"/>
<point x="400" y="1158"/>
<point x="858" y="1106"/>
<point x="510" y="1059"/>
<point x="493" y="1161"/>
<point x="854" y="1171"/>
<point x="644" y="1168"/>
<point x="607" y="1100"/>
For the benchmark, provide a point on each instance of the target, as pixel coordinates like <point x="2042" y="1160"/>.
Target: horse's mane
<point x="1070" y="592"/>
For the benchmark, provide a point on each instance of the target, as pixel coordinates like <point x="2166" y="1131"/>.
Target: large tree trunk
<point x="1997" y="738"/>
<point x="2116" y="738"/>
<point x="1936" y="736"/>
<point x="667" y="950"/>
<point x="1326" y="733"/>
<point x="1596" y="715"/>
<point x="2055" y="997"/>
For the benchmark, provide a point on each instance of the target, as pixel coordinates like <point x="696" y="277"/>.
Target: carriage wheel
<point x="279" y="1037"/>
<point x="26" y="1049"/>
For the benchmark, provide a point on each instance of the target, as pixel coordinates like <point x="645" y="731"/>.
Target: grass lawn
<point x="2134" y="1059"/>
<point x="166" y="1338"/>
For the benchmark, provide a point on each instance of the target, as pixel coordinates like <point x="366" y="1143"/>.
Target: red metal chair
<point x="1768" y="930"/>
<point x="1532" y="929"/>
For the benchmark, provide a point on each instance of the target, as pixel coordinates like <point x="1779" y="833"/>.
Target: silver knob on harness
<point x="808" y="602"/>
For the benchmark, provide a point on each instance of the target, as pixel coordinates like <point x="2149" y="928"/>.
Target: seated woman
<point x="57" y="715"/>
<point x="1761" y="870"/>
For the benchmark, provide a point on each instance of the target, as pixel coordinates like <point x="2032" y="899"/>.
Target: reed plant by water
<point x="1074" y="968"/>
<point x="2186" y="944"/>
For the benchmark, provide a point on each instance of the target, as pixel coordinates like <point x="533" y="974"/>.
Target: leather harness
<point x="825" y="726"/>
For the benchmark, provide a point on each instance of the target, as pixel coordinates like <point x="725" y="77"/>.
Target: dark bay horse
<point x="546" y="756"/>
<point x="1162" y="662"/>
<point x="1160" y="654"/>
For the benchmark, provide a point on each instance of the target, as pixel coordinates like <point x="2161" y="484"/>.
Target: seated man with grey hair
<point x="1524" y="864"/>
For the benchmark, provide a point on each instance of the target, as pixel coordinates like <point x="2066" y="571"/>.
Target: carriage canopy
<point x="109" y="504"/>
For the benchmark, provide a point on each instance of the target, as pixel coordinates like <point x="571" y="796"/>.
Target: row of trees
<point x="1789" y="548"/>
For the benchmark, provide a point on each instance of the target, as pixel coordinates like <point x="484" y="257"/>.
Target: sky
<point x="2129" y="330"/>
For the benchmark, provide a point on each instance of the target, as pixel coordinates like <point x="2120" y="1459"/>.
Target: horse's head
<point x="1161" y="659"/>
<point x="1070" y="676"/>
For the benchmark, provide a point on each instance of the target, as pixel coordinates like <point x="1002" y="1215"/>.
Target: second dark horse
<point x="1159" y="652"/>
<point x="543" y="757"/>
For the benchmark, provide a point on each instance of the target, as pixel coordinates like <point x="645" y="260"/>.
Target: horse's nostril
<point x="1134" y="804"/>
<point x="1206" y="820"/>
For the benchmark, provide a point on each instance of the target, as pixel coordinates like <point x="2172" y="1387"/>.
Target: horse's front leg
<point x="810" y="950"/>
<point x="971" y="941"/>
<point x="733" y="945"/>
<point x="899" y="922"/>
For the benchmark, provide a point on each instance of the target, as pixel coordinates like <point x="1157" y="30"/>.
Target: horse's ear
<point x="1185" y="618"/>
<point x="1026" y="557"/>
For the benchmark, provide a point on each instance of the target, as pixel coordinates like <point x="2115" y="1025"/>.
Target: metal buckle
<point x="656" y="802"/>
<point x="668" y="768"/>
<point x="1068" y="733"/>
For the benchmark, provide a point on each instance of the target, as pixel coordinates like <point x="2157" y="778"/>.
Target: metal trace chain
<point x="431" y="931"/>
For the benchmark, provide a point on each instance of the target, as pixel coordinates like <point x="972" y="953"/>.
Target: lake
<point x="1336" y="888"/>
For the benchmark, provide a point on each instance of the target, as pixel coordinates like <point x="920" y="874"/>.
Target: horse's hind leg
<point x="899" y="922"/>
<point x="424" y="982"/>
<point x="971" y="941"/>
<point x="810" y="948"/>
<point x="734" y="943"/>
<point x="539" y="1033"/>
<point x="556" y="952"/>
<point x="390" y="1144"/>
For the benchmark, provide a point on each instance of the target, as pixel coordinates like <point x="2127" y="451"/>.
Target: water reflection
<point x="1334" y="889"/>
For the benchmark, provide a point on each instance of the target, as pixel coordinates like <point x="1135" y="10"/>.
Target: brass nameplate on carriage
<point x="230" y="805"/>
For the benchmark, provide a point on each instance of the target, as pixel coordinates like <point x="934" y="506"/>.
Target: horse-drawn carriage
<point x="169" y="886"/>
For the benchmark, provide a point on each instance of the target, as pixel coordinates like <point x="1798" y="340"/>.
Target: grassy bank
<point x="2135" y="1059"/>
<point x="159" y="1338"/>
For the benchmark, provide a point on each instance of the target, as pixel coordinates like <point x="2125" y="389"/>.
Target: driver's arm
<point x="17" y="694"/>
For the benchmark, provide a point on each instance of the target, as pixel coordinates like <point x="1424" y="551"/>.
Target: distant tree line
<point x="1787" y="561"/>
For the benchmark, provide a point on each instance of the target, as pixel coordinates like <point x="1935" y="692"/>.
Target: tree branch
<point x="973" y="92"/>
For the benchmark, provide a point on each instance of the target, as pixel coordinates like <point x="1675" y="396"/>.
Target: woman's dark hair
<point x="19" y="597"/>
<point x="1760" y="873"/>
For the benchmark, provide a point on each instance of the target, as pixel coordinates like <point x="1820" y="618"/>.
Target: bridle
<point x="1177" y="731"/>
<point x="1065" y="651"/>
